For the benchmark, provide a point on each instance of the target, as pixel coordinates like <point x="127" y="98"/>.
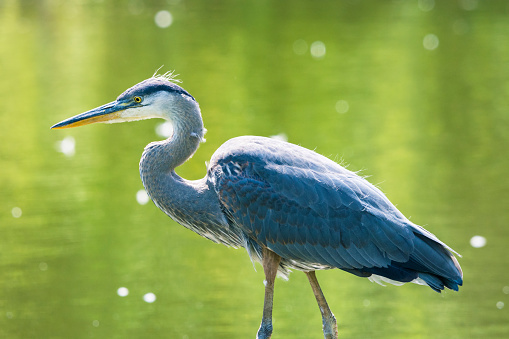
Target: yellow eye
<point x="137" y="99"/>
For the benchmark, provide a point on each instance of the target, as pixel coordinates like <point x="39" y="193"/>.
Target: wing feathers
<point x="316" y="214"/>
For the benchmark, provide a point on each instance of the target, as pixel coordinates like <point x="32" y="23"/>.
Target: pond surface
<point x="413" y="93"/>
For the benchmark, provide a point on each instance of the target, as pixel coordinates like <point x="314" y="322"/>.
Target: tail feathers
<point x="432" y="281"/>
<point x="439" y="283"/>
<point x="436" y="265"/>
<point x="430" y="263"/>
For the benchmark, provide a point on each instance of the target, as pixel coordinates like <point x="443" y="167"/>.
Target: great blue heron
<point x="289" y="207"/>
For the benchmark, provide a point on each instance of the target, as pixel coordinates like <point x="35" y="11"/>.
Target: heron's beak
<point x="104" y="113"/>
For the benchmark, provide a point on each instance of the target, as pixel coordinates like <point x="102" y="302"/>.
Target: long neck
<point x="159" y="160"/>
<point x="164" y="156"/>
<point x="193" y="204"/>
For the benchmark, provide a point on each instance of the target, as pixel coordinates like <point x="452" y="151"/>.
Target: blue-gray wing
<point x="307" y="208"/>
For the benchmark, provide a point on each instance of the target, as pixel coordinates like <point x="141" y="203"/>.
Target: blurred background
<point x="412" y="93"/>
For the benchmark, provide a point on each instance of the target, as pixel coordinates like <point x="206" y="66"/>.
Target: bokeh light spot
<point x="149" y="297"/>
<point x="468" y="5"/>
<point x="500" y="305"/>
<point x="342" y="106"/>
<point x="426" y="5"/>
<point x="318" y="49"/>
<point x="142" y="197"/>
<point x="163" y="19"/>
<point x="122" y="291"/>
<point x="16" y="212"/>
<point x="300" y="47"/>
<point x="67" y="146"/>
<point x="478" y="241"/>
<point x="280" y="136"/>
<point x="164" y="129"/>
<point x="430" y="42"/>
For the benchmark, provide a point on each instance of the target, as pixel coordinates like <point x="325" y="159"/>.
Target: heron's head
<point x="156" y="97"/>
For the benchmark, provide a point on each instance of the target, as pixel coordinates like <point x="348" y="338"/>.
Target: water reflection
<point x="430" y="127"/>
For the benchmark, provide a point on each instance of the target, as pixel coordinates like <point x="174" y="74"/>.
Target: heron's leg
<point x="330" y="328"/>
<point x="270" y="263"/>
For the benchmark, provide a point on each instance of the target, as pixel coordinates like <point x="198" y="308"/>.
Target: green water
<point x="422" y="87"/>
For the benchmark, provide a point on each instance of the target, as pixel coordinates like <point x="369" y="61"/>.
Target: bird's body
<point x="316" y="214"/>
<point x="288" y="206"/>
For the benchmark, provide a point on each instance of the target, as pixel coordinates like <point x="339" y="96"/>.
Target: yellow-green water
<point x="423" y="91"/>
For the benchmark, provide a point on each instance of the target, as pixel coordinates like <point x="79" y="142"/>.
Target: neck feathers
<point x="188" y="131"/>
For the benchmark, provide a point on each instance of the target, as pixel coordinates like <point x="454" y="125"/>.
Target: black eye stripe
<point x="150" y="86"/>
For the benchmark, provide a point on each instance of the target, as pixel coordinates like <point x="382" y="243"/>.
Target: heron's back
<point x="316" y="214"/>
